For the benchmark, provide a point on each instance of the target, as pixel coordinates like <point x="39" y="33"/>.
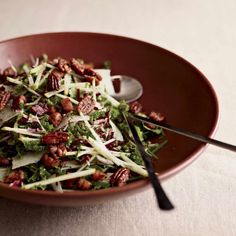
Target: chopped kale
<point x="115" y="113"/>
<point x="123" y="106"/>
<point x="69" y="145"/>
<point x="36" y="172"/>
<point x="46" y="124"/>
<point x="101" y="185"/>
<point x="32" y="144"/>
<point x="79" y="130"/>
<point x="96" y="115"/>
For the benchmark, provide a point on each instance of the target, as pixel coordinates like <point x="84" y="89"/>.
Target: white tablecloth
<point x="203" y="32"/>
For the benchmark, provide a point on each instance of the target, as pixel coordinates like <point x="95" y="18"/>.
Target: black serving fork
<point x="162" y="199"/>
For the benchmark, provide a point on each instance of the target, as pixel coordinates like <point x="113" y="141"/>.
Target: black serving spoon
<point x="130" y="89"/>
<point x="186" y="133"/>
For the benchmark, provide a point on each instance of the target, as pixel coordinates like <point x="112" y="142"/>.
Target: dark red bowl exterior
<point x="171" y="85"/>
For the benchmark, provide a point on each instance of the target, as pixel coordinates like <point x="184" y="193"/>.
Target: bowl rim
<point x="143" y="183"/>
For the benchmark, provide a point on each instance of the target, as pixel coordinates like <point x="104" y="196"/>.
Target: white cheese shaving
<point x="3" y="172"/>
<point x="76" y="174"/>
<point x="28" y="158"/>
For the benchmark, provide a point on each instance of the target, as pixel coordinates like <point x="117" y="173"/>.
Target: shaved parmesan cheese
<point x="117" y="134"/>
<point x="25" y="160"/>
<point x="3" y="172"/>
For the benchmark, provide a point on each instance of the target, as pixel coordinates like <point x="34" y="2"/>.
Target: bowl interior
<point x="171" y="84"/>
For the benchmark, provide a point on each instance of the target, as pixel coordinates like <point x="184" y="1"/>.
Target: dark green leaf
<point x="46" y="124"/>
<point x="96" y="115"/>
<point x="100" y="185"/>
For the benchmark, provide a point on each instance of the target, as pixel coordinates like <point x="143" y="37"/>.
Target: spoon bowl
<point x="127" y="88"/>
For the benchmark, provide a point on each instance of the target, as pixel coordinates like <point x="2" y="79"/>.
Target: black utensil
<point x="162" y="199"/>
<point x="186" y="133"/>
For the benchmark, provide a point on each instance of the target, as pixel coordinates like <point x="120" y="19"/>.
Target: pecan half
<point x="49" y="162"/>
<point x="15" y="175"/>
<point x="85" y="158"/>
<point x="77" y="67"/>
<point x="98" y="175"/>
<point x="4" y="98"/>
<point x="86" y="71"/>
<point x="63" y="65"/>
<point x="55" y="138"/>
<point x="18" y="101"/>
<point x="8" y="72"/>
<point x="58" y="150"/>
<point x="70" y="183"/>
<point x="39" y="109"/>
<point x="120" y="177"/>
<point x="52" y="109"/>
<point x="54" y="80"/>
<point x="90" y="75"/>
<point x="66" y="105"/>
<point x="136" y="107"/>
<point x="55" y="118"/>
<point x="156" y="116"/>
<point x="86" y="105"/>
<point x="61" y="150"/>
<point x="84" y="184"/>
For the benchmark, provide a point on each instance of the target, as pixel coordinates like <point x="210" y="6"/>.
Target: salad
<point x="61" y="130"/>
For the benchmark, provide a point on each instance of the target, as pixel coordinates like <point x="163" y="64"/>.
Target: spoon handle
<point x="186" y="133"/>
<point x="162" y="199"/>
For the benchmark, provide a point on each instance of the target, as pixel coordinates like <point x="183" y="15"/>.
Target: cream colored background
<point x="203" y="32"/>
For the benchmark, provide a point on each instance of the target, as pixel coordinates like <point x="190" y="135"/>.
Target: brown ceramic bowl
<point x="171" y="85"/>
